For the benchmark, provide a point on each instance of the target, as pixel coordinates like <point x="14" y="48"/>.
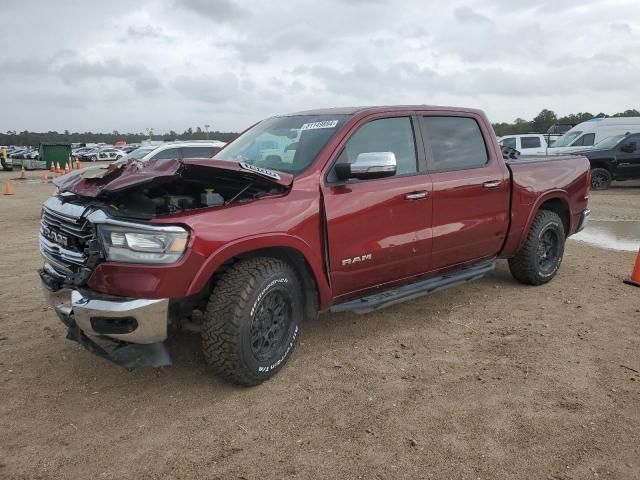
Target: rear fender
<point x="551" y="195"/>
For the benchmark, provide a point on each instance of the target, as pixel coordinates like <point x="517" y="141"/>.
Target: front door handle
<point x="416" y="196"/>
<point x="492" y="184"/>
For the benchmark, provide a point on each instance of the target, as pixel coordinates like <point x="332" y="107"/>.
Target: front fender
<point x="250" y="244"/>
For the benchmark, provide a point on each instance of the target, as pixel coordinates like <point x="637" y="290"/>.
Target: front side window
<point x="289" y="144"/>
<point x="566" y="139"/>
<point x="384" y="135"/>
<point x="530" y="142"/>
<point x="585" y="141"/>
<point x="456" y="143"/>
<point x="508" y="142"/>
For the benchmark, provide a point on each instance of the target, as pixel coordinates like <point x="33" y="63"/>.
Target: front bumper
<point x="584" y="220"/>
<point x="130" y="332"/>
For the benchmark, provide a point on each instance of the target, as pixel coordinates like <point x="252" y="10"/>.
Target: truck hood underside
<point x="93" y="181"/>
<point x="160" y="187"/>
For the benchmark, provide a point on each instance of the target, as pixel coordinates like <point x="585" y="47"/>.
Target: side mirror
<point x="368" y="165"/>
<point x="629" y="147"/>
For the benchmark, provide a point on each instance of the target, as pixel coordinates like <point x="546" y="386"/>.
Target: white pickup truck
<point x="526" y="144"/>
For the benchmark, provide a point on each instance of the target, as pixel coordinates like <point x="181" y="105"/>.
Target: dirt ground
<point x="492" y="380"/>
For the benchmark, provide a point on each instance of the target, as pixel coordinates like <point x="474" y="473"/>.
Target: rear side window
<point x="530" y="142"/>
<point x="585" y="141"/>
<point x="508" y="142"/>
<point x="456" y="143"/>
<point x="198" y="152"/>
<point x="384" y="135"/>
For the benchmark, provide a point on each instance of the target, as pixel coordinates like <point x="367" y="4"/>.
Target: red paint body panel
<point x="459" y="222"/>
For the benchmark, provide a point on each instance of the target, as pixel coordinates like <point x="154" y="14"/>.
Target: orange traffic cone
<point x="53" y="168"/>
<point x="634" y="279"/>
<point x="7" y="188"/>
<point x="23" y="174"/>
<point x="78" y="166"/>
<point x="45" y="177"/>
<point x="59" y="170"/>
<point x="67" y="167"/>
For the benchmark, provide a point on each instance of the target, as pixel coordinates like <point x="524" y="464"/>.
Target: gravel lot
<point x="492" y="380"/>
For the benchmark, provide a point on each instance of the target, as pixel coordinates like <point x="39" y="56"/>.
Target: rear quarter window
<point x="456" y="143"/>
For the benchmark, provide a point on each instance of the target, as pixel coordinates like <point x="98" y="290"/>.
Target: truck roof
<point x="380" y="109"/>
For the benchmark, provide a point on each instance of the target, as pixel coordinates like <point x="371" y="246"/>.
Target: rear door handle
<point x="416" y="196"/>
<point x="492" y="184"/>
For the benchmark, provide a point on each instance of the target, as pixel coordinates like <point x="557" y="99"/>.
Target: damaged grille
<point x="65" y="239"/>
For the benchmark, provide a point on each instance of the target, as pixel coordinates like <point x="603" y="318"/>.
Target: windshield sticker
<point x="263" y="171"/>
<point x="315" y="125"/>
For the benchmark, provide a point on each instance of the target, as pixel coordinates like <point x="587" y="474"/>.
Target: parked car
<point x="374" y="206"/>
<point x="614" y="158"/>
<point x="528" y="144"/>
<point x="179" y="150"/>
<point x="102" y="153"/>
<point x="586" y="134"/>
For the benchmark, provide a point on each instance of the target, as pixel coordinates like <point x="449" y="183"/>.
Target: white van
<point x="586" y="134"/>
<point x="526" y="144"/>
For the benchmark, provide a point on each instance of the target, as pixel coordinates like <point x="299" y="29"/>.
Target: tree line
<point x="539" y="124"/>
<point x="34" y="139"/>
<point x="546" y="118"/>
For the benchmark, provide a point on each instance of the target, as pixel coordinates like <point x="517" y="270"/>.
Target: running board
<point x="392" y="296"/>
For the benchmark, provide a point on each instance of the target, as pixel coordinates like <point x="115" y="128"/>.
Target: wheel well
<point x="601" y="164"/>
<point x="560" y="207"/>
<point x="300" y="264"/>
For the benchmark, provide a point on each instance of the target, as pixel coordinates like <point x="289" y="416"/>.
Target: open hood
<point x="97" y="181"/>
<point x="145" y="190"/>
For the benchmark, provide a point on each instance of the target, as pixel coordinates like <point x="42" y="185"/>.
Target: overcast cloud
<point x="174" y="64"/>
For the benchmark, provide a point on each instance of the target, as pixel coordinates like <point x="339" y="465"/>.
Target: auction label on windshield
<point x="264" y="171"/>
<point x="315" y="125"/>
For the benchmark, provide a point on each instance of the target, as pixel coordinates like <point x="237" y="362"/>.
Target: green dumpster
<point x="57" y="153"/>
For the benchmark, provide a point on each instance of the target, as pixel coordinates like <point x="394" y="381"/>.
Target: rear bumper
<point x="130" y="332"/>
<point x="584" y="220"/>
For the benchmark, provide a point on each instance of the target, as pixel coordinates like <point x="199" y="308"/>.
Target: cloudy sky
<point x="174" y="64"/>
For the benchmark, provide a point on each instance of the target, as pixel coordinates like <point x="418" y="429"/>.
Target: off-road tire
<point x="600" y="179"/>
<point x="236" y="306"/>
<point x="526" y="265"/>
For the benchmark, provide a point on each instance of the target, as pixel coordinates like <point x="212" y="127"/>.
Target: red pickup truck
<point x="348" y="209"/>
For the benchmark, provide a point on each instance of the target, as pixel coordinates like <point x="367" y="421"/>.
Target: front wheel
<point x="539" y="259"/>
<point x="600" y="178"/>
<point x="94" y="158"/>
<point x="252" y="320"/>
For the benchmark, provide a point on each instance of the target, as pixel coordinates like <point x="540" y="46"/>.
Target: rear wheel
<point x="600" y="179"/>
<point x="539" y="259"/>
<point x="94" y="158"/>
<point x="252" y="320"/>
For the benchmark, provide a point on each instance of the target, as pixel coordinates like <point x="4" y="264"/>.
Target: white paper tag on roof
<point x="316" y="125"/>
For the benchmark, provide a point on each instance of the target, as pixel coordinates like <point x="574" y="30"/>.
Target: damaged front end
<point x="106" y="215"/>
<point x="160" y="187"/>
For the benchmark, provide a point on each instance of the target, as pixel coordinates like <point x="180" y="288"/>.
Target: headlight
<point x="124" y="244"/>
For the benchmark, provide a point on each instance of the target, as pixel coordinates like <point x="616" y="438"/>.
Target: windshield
<point x="566" y="139"/>
<point x="288" y="144"/>
<point x="608" y="142"/>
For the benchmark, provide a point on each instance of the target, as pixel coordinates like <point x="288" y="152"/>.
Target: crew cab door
<point x="379" y="230"/>
<point x="470" y="190"/>
<point x="628" y="156"/>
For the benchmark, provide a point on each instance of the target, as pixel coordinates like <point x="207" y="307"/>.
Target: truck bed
<point x="536" y="180"/>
